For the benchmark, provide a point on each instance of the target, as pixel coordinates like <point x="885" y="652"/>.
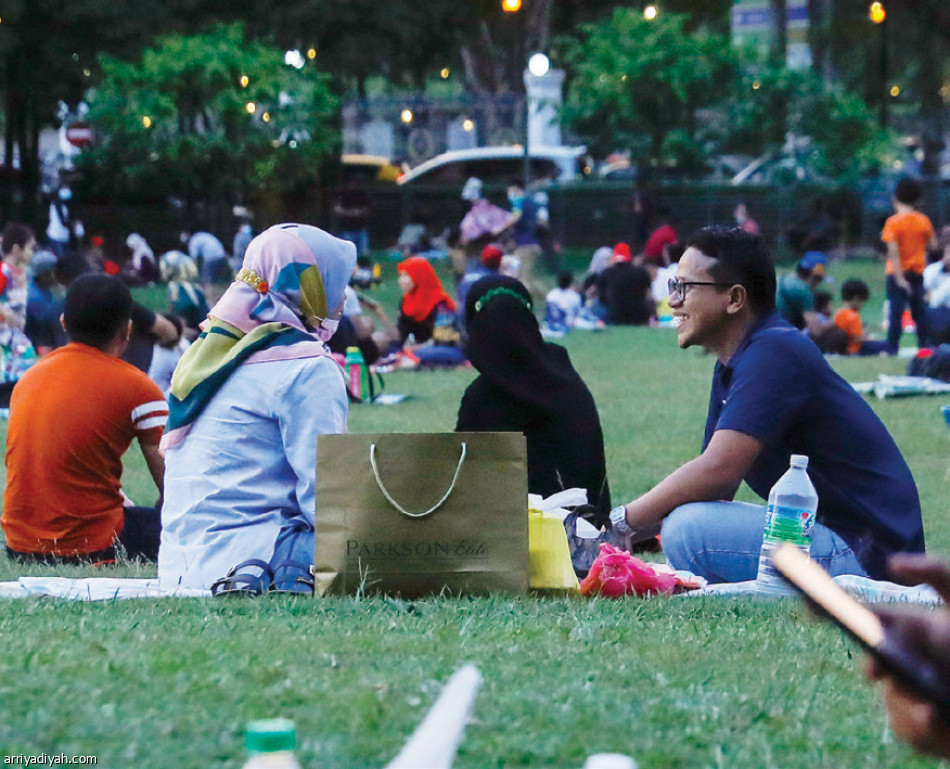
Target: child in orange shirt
<point x="907" y="234"/>
<point x="854" y="294"/>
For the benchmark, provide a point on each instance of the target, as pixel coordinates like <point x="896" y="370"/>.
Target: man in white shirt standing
<point x="937" y="289"/>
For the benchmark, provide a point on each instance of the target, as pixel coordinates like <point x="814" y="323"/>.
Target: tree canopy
<point x="188" y="121"/>
<point x="638" y="84"/>
<point x="674" y="97"/>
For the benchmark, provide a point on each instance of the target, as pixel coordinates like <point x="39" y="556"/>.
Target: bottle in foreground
<point x="610" y="761"/>
<point x="789" y="518"/>
<point x="270" y="744"/>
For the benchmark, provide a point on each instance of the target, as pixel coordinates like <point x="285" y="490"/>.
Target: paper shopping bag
<point x="416" y="514"/>
<point x="549" y="558"/>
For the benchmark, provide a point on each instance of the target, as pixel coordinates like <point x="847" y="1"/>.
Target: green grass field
<point x="675" y="682"/>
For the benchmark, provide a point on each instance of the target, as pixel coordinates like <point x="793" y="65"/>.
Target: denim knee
<point x="678" y="534"/>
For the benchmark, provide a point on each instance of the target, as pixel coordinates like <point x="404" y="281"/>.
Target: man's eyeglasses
<point x="678" y="287"/>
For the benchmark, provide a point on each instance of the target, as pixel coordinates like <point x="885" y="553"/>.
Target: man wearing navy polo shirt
<point x="773" y="395"/>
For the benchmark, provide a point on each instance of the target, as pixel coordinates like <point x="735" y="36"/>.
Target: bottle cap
<point x="799" y="460"/>
<point x="610" y="761"/>
<point x="270" y="735"/>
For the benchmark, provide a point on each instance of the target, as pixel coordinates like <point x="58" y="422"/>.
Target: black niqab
<point x="529" y="385"/>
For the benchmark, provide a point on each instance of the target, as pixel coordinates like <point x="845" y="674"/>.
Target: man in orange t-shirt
<point x="907" y="234"/>
<point x="72" y="417"/>
<point x="854" y="294"/>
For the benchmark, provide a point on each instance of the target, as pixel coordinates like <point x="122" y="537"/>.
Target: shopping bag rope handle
<point x="394" y="503"/>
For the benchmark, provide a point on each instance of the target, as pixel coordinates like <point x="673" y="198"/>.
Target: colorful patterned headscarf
<point x="293" y="278"/>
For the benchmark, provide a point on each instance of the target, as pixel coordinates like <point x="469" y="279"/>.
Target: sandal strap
<point x="239" y="584"/>
<point x="242" y="582"/>
<point x="255" y="563"/>
<point x="303" y="576"/>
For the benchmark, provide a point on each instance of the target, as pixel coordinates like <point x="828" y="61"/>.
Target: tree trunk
<point x="778" y="38"/>
<point x="931" y="107"/>
<point x="820" y="38"/>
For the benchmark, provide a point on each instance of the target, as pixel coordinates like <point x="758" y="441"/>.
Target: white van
<point x="496" y="165"/>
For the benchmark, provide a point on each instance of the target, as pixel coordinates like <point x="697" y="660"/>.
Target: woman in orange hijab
<point x="423" y="299"/>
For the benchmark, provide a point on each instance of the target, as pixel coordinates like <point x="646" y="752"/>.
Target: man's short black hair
<point x="96" y="307"/>
<point x="742" y="258"/>
<point x="564" y="279"/>
<point x="15" y="235"/>
<point x="908" y="191"/>
<point x="853" y="288"/>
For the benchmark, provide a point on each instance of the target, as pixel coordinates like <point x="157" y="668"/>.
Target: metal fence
<point x="583" y="214"/>
<point x="591" y="214"/>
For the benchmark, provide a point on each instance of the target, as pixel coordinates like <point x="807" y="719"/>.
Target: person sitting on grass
<point x="72" y="417"/>
<point x="821" y="328"/>
<point x="16" y="350"/>
<point x="563" y="304"/>
<point x="488" y="264"/>
<point x="937" y="286"/>
<point x="773" y="395"/>
<point x="44" y="305"/>
<point x="795" y="293"/>
<point x="855" y="294"/>
<point x="529" y="386"/>
<point x="248" y="400"/>
<point x="423" y="299"/>
<point x="624" y="291"/>
<point x="186" y="299"/>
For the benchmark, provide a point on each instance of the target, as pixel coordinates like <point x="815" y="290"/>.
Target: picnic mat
<point x="862" y="588"/>
<point x="93" y="589"/>
<point x="888" y="386"/>
<point x="107" y="589"/>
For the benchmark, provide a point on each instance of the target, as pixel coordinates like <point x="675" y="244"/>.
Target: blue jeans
<point x="721" y="541"/>
<point x="938" y="324"/>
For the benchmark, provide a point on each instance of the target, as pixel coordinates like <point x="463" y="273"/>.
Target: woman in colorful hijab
<point x="186" y="298"/>
<point x="247" y="401"/>
<point x="423" y="298"/>
<point x="529" y="386"/>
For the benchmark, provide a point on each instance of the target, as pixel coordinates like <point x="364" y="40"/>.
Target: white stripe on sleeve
<point x="147" y="408"/>
<point x="148" y="424"/>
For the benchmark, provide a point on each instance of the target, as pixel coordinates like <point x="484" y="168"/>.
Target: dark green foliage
<point x="177" y="124"/>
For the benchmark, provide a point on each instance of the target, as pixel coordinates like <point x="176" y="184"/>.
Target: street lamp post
<point x="878" y="16"/>
<point x="538" y="66"/>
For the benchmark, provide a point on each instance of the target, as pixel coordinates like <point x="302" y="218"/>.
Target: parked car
<point x="496" y="165"/>
<point x="355" y="168"/>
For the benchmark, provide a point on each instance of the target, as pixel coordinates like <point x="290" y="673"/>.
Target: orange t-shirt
<point x="72" y="417"/>
<point x="850" y="321"/>
<point x="911" y="231"/>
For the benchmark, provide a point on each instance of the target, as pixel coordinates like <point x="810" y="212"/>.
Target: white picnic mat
<point x="93" y="589"/>
<point x="862" y="588"/>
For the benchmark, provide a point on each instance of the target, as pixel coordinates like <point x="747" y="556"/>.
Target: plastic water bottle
<point x="610" y="761"/>
<point x="354" y="364"/>
<point x="270" y="744"/>
<point x="789" y="518"/>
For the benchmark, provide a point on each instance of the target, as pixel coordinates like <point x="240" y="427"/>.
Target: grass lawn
<point x="674" y="682"/>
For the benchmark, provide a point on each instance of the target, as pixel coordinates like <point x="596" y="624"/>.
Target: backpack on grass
<point x="933" y="362"/>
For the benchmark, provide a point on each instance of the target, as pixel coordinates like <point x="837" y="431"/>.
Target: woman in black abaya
<point x="529" y="386"/>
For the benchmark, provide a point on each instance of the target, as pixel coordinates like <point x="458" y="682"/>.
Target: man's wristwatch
<point x="618" y="521"/>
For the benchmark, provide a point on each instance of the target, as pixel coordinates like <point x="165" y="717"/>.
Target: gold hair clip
<point x="252" y="279"/>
